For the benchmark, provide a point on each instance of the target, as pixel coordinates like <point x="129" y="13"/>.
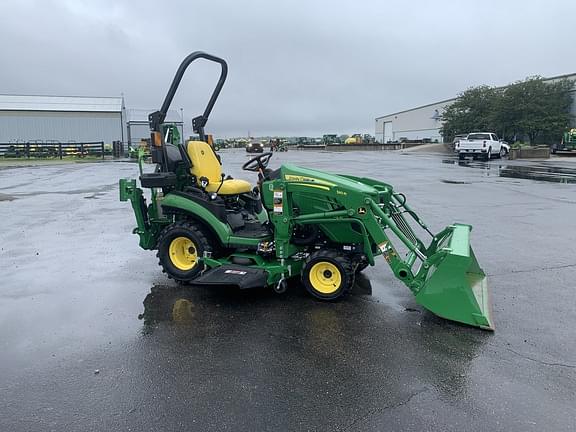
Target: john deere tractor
<point x="294" y="223"/>
<point x="568" y="143"/>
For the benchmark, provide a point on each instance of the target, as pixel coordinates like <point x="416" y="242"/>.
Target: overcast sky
<point x="295" y="67"/>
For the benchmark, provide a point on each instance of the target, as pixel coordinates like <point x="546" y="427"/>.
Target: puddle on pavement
<point x="95" y="191"/>
<point x="96" y="195"/>
<point x="165" y="303"/>
<point x="455" y="182"/>
<point x="5" y="197"/>
<point x="540" y="173"/>
<point x="183" y="305"/>
<point x="19" y="185"/>
<point x="554" y="174"/>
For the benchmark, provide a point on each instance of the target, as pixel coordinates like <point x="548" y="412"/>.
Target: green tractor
<point x="296" y="223"/>
<point x="568" y="143"/>
<point x="278" y="145"/>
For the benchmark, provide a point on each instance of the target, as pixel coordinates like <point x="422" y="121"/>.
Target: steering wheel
<point x="258" y="163"/>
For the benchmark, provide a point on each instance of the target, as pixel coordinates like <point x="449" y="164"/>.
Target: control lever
<point x="221" y="182"/>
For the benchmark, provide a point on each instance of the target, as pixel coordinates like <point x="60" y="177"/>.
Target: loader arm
<point x="442" y="273"/>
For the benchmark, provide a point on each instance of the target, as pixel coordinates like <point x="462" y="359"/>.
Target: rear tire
<point x="328" y="274"/>
<point x="461" y="156"/>
<point x="488" y="155"/>
<point x="502" y="152"/>
<point x="180" y="246"/>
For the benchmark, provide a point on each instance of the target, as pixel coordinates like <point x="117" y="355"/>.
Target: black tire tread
<point x="346" y="262"/>
<point x="167" y="232"/>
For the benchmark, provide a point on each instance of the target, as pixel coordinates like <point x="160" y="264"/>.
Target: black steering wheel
<point x="258" y="163"/>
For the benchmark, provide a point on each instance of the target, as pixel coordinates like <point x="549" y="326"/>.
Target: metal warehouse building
<point x="138" y="128"/>
<point x="424" y="122"/>
<point x="61" y="118"/>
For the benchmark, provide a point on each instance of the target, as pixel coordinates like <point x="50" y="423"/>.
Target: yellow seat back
<point x="204" y="161"/>
<point x="206" y="164"/>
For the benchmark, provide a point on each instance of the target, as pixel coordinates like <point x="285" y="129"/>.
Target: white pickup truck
<point x="481" y="144"/>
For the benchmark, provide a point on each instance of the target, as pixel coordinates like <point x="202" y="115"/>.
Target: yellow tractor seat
<point x="206" y="164"/>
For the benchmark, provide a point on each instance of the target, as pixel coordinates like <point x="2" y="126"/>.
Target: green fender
<point x="220" y="229"/>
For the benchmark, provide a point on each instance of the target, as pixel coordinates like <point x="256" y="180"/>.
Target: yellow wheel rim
<point x="183" y="253"/>
<point x="325" y="277"/>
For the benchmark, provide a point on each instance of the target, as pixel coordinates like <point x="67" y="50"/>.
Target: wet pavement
<point x="94" y="337"/>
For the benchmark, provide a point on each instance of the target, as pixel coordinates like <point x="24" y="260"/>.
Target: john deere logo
<point x="202" y="152"/>
<point x="361" y="211"/>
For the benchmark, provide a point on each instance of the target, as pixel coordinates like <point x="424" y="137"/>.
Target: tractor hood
<point x="326" y="181"/>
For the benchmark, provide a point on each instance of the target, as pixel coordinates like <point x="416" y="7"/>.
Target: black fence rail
<point x="55" y="150"/>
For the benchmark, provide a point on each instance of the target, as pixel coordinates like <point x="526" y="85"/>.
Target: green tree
<point x="472" y="110"/>
<point x="537" y="109"/>
<point x="533" y="109"/>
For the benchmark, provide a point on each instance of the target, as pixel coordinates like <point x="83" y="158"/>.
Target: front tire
<point x="180" y="246"/>
<point x="328" y="275"/>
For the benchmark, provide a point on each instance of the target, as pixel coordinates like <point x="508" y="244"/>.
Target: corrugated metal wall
<point x="60" y="126"/>
<point x="419" y="123"/>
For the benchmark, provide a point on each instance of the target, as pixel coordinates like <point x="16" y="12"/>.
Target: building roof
<point x="554" y="78"/>
<point x="416" y="108"/>
<point x="141" y="116"/>
<point x="60" y="103"/>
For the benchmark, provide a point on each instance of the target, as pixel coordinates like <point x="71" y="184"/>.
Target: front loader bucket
<point x="456" y="287"/>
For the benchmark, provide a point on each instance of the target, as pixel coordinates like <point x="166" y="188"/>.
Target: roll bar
<point x="157" y="118"/>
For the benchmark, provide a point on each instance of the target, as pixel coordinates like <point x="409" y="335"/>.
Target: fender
<point x="221" y="230"/>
